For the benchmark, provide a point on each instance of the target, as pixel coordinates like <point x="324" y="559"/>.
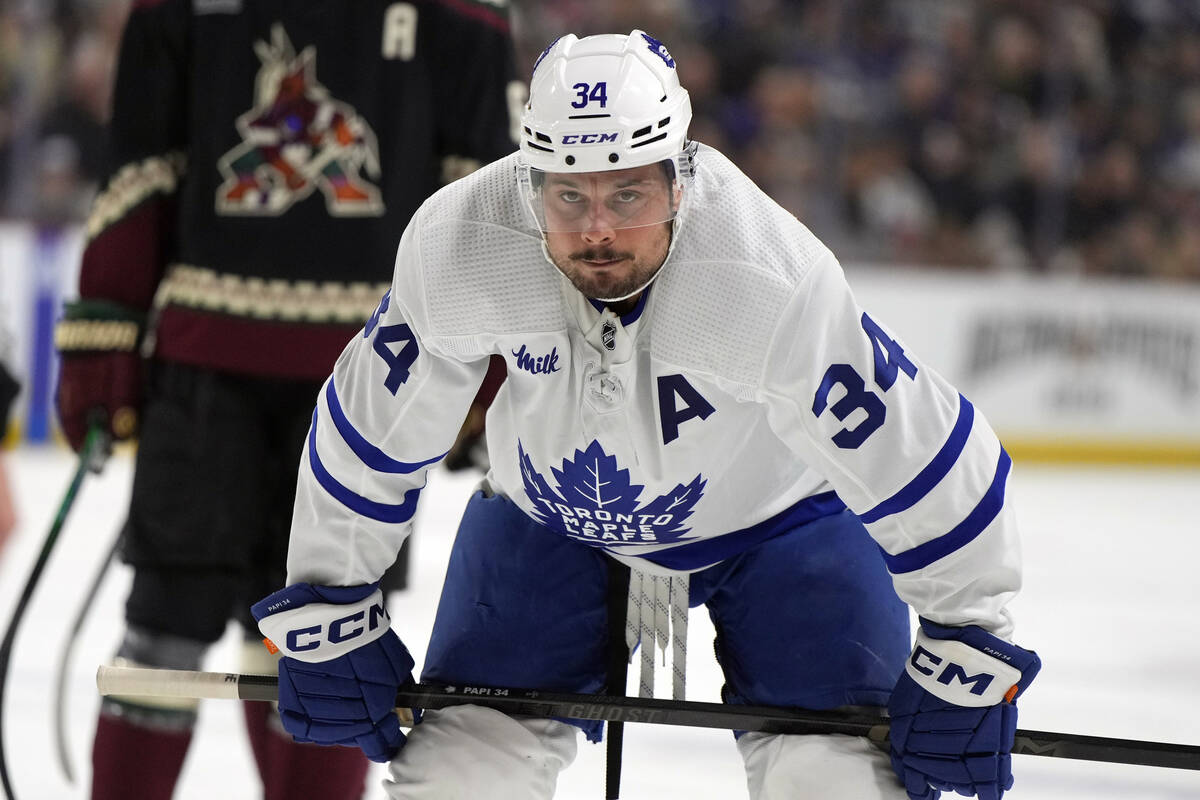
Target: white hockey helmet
<point x="603" y="103"/>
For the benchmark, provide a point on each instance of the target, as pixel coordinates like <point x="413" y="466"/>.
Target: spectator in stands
<point x="75" y="124"/>
<point x="975" y="93"/>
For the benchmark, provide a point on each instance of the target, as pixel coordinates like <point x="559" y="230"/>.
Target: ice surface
<point x="1111" y="603"/>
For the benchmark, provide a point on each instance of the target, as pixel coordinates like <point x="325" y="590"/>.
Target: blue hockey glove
<point x="953" y="712"/>
<point x="341" y="666"/>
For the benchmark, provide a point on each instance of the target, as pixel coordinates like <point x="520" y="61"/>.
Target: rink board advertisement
<point x="1064" y="368"/>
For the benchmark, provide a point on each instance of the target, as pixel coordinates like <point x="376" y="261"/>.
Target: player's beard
<point x="631" y="274"/>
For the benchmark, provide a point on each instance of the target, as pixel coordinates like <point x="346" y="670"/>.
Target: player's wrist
<point x="320" y="623"/>
<point x="90" y="326"/>
<point x="967" y="666"/>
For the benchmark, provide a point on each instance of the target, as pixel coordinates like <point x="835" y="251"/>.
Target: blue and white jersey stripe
<point x="368" y="453"/>
<point x="933" y="474"/>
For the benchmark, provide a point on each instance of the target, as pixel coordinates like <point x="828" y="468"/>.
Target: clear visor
<point x="610" y="200"/>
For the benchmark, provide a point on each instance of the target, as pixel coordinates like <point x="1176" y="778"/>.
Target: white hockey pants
<point x="470" y="753"/>
<point x="817" y="768"/>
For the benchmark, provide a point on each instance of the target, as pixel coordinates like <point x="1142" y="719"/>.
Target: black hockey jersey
<point x="266" y="155"/>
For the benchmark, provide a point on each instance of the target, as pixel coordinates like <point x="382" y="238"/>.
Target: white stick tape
<point x="141" y="682"/>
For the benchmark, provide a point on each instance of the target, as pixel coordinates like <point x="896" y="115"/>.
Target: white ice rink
<point x="1111" y="602"/>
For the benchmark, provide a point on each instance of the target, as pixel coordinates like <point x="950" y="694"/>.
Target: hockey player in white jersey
<point x="692" y="391"/>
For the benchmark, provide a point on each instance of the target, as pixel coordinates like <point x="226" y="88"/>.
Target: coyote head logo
<point x="297" y="139"/>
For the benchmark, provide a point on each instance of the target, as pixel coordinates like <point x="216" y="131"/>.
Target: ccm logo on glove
<point x="309" y="638"/>
<point x="960" y="674"/>
<point x="308" y="634"/>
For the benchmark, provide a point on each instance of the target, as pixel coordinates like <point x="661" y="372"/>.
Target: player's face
<point x="609" y="232"/>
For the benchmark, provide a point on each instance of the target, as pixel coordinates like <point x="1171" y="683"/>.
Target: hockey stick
<point x="534" y="703"/>
<point x="618" y="671"/>
<point x="64" y="661"/>
<point x="91" y="459"/>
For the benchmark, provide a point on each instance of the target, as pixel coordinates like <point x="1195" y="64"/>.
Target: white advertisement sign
<point x="1055" y="363"/>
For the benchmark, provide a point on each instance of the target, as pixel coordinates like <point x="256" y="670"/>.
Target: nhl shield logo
<point x="608" y="335"/>
<point x="297" y="139"/>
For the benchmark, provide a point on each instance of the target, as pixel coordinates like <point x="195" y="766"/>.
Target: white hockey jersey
<point x="747" y="393"/>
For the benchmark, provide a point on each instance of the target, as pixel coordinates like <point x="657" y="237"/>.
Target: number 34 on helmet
<point x="604" y="103"/>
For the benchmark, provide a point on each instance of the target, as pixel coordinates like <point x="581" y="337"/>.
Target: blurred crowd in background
<point x="1024" y="135"/>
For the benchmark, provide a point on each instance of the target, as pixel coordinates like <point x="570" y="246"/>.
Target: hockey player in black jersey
<point x="264" y="156"/>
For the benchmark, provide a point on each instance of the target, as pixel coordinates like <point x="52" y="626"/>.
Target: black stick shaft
<point x="751" y="718"/>
<point x="618" y="672"/>
<point x="1114" y="751"/>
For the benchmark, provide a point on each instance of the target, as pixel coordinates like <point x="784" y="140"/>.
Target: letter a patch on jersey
<point x="670" y="388"/>
<point x="298" y="139"/>
<point x="596" y="503"/>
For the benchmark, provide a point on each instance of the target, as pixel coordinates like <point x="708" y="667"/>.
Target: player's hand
<point x="341" y="666"/>
<point x="101" y="372"/>
<point x="954" y="715"/>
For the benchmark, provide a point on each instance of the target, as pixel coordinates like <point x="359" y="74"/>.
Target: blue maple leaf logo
<point x="595" y="501"/>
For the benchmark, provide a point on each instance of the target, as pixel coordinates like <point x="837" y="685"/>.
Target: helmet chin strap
<point x="636" y="291"/>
